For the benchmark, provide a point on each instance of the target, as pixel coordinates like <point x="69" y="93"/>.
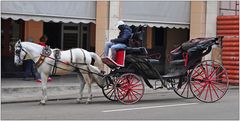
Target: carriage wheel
<point x="209" y="81"/>
<point x="129" y="88"/>
<point x="184" y="91"/>
<point x="108" y="91"/>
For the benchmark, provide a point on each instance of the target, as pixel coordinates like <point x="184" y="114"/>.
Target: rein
<point x="43" y="57"/>
<point x="69" y="65"/>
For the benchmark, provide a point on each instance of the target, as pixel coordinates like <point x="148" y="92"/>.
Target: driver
<point x="120" y="42"/>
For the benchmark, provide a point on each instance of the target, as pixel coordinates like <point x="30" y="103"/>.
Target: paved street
<point x="156" y="106"/>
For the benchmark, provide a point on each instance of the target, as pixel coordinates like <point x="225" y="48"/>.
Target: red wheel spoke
<point x="197" y="82"/>
<point x="213" y="72"/>
<point x="130" y="95"/>
<point x="196" y="72"/>
<point x="204" y="86"/>
<point x="123" y="89"/>
<point x="137" y="88"/>
<point x="220" y="84"/>
<point x="195" y="87"/>
<point x="132" y="86"/>
<point x="120" y="92"/>
<point x="219" y="74"/>
<point x="136" y="92"/>
<point x="210" y="91"/>
<point x="219" y="79"/>
<point x="206" y="74"/>
<point x="198" y="79"/>
<point x="214" y="90"/>
<point x="135" y="82"/>
<point x="218" y="88"/>
<point x="134" y="95"/>
<point x="203" y="71"/>
<point x="206" y="92"/>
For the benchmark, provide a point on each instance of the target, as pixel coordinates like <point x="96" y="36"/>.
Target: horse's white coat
<point x="33" y="51"/>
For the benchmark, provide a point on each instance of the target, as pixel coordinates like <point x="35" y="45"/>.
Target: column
<point x="33" y="30"/>
<point x="197" y="19"/>
<point x="114" y="16"/>
<point x="102" y="8"/>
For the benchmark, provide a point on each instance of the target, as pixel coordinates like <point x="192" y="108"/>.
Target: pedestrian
<point x="43" y="41"/>
<point x="120" y="42"/>
<point x="29" y="67"/>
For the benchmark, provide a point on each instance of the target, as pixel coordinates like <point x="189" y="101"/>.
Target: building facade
<point x="89" y="24"/>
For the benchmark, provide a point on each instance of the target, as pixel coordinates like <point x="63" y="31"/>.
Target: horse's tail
<point x="97" y="60"/>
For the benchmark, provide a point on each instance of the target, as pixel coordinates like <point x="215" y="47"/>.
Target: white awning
<point x="56" y="11"/>
<point x="171" y="14"/>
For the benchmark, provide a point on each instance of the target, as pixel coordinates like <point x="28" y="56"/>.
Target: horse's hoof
<point x="41" y="103"/>
<point x="88" y="102"/>
<point x="78" y="101"/>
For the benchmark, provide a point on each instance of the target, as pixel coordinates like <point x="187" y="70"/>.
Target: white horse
<point x="70" y="60"/>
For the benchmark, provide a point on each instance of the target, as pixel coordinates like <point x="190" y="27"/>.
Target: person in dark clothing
<point x="121" y="41"/>
<point x="29" y="69"/>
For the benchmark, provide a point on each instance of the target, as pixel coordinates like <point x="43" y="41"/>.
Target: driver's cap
<point x="119" y="23"/>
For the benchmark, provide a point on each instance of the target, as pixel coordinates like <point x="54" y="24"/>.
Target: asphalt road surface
<point x="154" y="106"/>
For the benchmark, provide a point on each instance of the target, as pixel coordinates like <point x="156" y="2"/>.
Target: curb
<point x="97" y="93"/>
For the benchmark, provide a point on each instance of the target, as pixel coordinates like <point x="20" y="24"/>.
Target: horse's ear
<point x="19" y="41"/>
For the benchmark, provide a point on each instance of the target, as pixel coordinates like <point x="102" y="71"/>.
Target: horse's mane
<point x="31" y="43"/>
<point x="30" y="46"/>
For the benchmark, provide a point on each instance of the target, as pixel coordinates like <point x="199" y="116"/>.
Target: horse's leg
<point x="44" y="88"/>
<point x="82" y="84"/>
<point x="89" y="82"/>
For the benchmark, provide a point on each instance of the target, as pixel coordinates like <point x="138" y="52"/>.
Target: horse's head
<point x="20" y="54"/>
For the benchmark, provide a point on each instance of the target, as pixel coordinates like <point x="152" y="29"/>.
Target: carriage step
<point x="160" y="87"/>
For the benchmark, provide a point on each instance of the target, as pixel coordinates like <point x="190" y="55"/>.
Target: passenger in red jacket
<point x="43" y="40"/>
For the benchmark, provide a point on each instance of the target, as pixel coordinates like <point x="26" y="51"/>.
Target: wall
<point x="174" y="38"/>
<point x="34" y="30"/>
<point x="197" y="19"/>
<point x="101" y="25"/>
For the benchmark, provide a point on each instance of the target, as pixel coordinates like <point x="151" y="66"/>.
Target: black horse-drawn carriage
<point x="187" y="75"/>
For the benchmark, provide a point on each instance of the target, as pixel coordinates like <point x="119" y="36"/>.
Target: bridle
<point x="18" y="52"/>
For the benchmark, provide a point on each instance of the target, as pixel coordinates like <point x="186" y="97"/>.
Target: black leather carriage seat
<point x="136" y="50"/>
<point x="177" y="62"/>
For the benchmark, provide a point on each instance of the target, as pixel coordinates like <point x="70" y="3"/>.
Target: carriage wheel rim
<point x="184" y="91"/>
<point x="109" y="92"/>
<point x="209" y="81"/>
<point x="131" y="90"/>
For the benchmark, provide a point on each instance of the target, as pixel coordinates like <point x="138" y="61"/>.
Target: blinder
<point x="18" y="52"/>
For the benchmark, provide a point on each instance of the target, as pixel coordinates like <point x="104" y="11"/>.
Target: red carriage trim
<point x="111" y="63"/>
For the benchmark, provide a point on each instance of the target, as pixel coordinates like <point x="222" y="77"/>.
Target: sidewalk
<point x="62" y="87"/>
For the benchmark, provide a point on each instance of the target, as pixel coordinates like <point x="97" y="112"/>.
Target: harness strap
<point x="54" y="70"/>
<point x="71" y="56"/>
<point x="40" y="61"/>
<point x="84" y="56"/>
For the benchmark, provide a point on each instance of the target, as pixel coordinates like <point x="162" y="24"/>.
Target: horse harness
<point x="18" y="51"/>
<point x="46" y="52"/>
